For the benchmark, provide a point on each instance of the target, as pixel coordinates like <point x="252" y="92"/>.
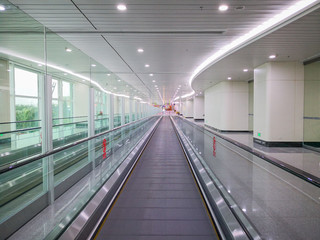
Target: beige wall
<point x="312" y="102"/>
<point x="278" y="102"/>
<point x="226" y="106"/>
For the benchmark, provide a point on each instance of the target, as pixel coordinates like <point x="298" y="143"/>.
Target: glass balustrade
<point x="102" y="155"/>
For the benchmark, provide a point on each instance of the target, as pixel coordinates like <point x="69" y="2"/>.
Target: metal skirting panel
<point x="20" y="218"/>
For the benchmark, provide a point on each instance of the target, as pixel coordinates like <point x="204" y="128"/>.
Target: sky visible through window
<point x="26" y="83"/>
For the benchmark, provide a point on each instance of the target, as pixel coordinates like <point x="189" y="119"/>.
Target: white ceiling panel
<point x="297" y="41"/>
<point x="177" y="36"/>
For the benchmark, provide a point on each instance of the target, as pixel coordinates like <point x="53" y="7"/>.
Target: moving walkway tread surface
<point x="160" y="200"/>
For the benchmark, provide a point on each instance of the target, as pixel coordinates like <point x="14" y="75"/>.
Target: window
<point x="26" y="98"/>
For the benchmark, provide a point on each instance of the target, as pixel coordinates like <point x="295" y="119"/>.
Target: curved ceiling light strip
<point x="5" y="51"/>
<point x="256" y="32"/>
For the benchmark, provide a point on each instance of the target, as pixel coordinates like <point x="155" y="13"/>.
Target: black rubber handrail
<point x="38" y="120"/>
<point x="9" y="167"/>
<point x="21" y="130"/>
<point x="35" y="128"/>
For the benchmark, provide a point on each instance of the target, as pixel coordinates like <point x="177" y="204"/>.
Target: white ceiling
<point x="297" y="41"/>
<point x="177" y="36"/>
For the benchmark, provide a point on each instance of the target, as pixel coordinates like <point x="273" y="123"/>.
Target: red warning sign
<point x="104" y="148"/>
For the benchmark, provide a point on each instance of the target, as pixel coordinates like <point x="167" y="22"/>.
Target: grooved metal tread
<point x="160" y="199"/>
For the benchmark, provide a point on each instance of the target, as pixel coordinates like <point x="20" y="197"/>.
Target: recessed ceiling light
<point x="2" y="8"/>
<point x="151" y="74"/>
<point x="119" y="80"/>
<point x="245" y="70"/>
<point x="121" y="7"/>
<point x="155" y="85"/>
<point x="108" y="74"/>
<point x="229" y="78"/>
<point x="223" y="7"/>
<point x="9" y="70"/>
<point x="147" y="65"/>
<point x="127" y="85"/>
<point x="114" y="88"/>
<point x="40" y="65"/>
<point x="140" y="50"/>
<point x="272" y="56"/>
<point x="153" y="80"/>
<point x="68" y="50"/>
<point x="93" y="65"/>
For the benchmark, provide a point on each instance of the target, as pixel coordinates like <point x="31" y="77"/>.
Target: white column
<point x="278" y="103"/>
<point x="226" y="106"/>
<point x="198" y="107"/>
<point x="189" y="108"/>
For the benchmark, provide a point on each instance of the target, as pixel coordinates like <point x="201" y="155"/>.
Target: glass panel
<point x="101" y="111"/>
<point x="127" y="110"/>
<point x="55" y="89"/>
<point x="117" y="111"/>
<point x="66" y="91"/>
<point x="55" y="109"/>
<point x="26" y="83"/>
<point x="21" y="52"/>
<point x="19" y="187"/>
<point x="133" y="104"/>
<point x="26" y="109"/>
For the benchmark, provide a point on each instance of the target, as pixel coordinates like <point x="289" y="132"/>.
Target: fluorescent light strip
<point x="61" y="69"/>
<point x="268" y="25"/>
<point x="185" y="96"/>
<point x="138" y="98"/>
